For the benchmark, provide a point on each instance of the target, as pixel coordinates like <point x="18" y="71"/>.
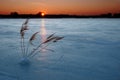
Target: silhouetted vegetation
<point x="38" y="15"/>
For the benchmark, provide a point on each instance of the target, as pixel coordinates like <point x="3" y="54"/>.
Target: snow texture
<point x="89" y="51"/>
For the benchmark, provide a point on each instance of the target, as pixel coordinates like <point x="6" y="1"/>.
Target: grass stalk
<point x="25" y="47"/>
<point x="32" y="52"/>
<point x="40" y="50"/>
<point x="22" y="47"/>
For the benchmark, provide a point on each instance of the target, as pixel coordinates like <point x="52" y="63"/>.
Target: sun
<point x="42" y="14"/>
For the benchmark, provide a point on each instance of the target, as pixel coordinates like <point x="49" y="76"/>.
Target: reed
<point x="24" y="49"/>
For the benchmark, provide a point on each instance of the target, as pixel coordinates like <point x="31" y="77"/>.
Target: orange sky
<point x="78" y="7"/>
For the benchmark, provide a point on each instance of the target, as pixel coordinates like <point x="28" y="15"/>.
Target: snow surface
<point x="89" y="51"/>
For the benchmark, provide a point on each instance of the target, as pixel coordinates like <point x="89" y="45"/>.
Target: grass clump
<point x="26" y="55"/>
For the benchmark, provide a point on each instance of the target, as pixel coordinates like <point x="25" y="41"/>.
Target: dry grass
<point x="50" y="39"/>
<point x="33" y="37"/>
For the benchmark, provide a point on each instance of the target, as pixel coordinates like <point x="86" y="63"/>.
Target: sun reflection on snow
<point x="43" y="30"/>
<point x="43" y="33"/>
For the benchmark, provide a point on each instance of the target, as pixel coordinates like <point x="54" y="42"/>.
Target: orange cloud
<point x="60" y="6"/>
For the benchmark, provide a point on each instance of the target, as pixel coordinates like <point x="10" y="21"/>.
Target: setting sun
<point x="75" y="7"/>
<point x="42" y="14"/>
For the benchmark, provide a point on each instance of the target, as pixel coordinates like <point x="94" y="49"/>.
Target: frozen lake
<point x="89" y="51"/>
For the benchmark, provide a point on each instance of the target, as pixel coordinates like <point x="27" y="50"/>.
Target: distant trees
<point x="116" y="15"/>
<point x="39" y="15"/>
<point x="14" y="14"/>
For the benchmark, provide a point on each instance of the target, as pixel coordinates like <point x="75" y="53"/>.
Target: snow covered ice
<point x="89" y="51"/>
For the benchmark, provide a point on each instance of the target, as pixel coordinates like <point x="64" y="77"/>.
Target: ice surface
<point x="89" y="51"/>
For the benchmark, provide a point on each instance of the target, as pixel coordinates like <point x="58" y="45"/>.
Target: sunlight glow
<point x="42" y="14"/>
<point x="43" y="33"/>
<point x="43" y="30"/>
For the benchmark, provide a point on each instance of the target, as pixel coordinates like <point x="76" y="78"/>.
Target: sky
<point x="75" y="7"/>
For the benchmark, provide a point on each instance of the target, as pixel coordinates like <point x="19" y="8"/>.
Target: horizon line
<point x="59" y="14"/>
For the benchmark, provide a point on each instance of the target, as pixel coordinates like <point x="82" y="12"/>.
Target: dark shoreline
<point x="15" y="15"/>
<point x="64" y="18"/>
